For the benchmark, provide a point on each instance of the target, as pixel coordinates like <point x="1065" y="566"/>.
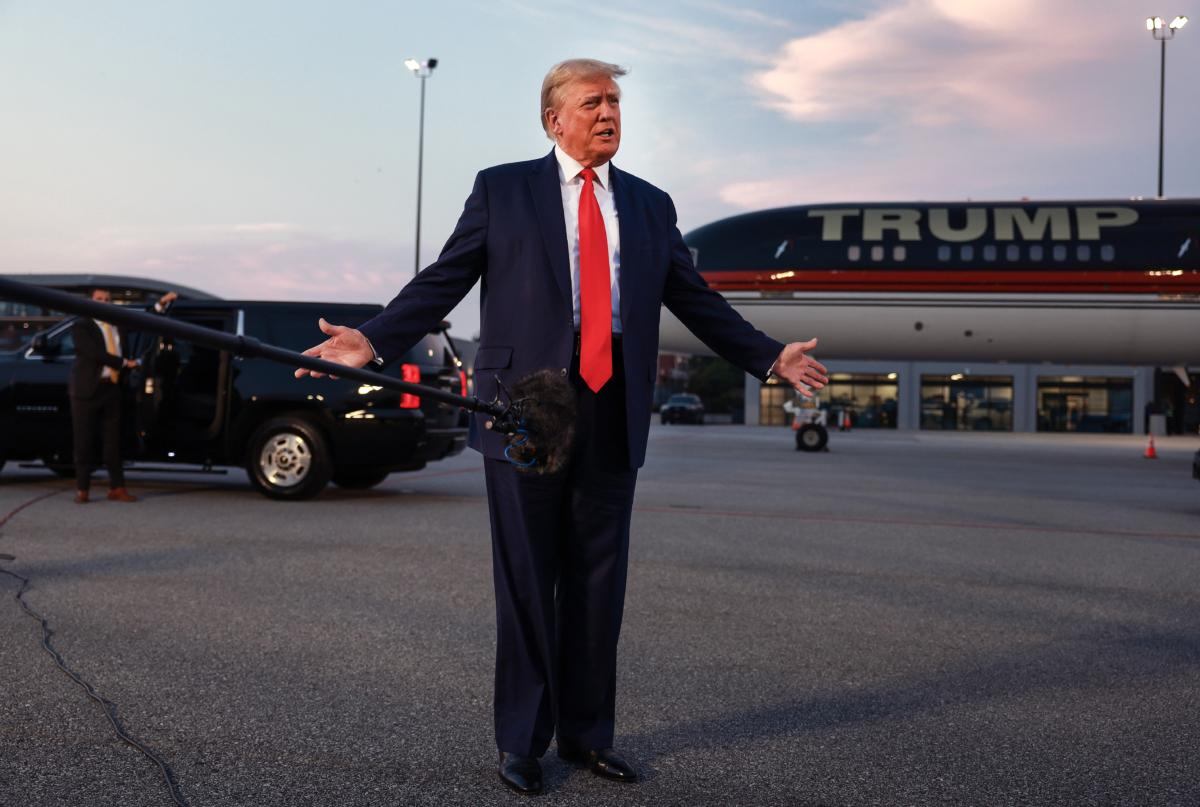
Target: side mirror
<point x="44" y="347"/>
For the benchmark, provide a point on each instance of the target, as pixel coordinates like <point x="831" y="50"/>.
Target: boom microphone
<point x="537" y="417"/>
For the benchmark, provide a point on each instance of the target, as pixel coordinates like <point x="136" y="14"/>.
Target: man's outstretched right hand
<point x="345" y="346"/>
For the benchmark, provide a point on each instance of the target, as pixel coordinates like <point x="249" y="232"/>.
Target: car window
<point x="434" y="348"/>
<point x="298" y="330"/>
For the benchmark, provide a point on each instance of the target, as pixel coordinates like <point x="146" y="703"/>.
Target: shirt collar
<point x="569" y="168"/>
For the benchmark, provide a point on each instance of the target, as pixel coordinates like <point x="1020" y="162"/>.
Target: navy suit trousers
<point x="560" y="551"/>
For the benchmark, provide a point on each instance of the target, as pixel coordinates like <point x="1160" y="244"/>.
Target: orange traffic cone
<point x="1150" y="454"/>
<point x="845" y="420"/>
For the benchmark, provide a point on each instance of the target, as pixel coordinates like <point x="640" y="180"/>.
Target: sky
<point x="268" y="150"/>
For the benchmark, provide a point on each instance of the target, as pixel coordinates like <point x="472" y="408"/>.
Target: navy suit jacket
<point x="512" y="237"/>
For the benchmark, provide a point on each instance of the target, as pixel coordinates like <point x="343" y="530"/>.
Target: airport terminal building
<point x="943" y="396"/>
<point x="1054" y="316"/>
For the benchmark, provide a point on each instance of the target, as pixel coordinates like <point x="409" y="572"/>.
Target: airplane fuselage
<point x="1111" y="282"/>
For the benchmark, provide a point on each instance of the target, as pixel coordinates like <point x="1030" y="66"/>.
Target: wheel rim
<point x="811" y="437"/>
<point x="285" y="460"/>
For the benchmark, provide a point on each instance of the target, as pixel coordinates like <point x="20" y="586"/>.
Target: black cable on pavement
<point x="110" y="708"/>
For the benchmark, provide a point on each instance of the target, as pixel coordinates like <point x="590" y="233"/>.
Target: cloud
<point x="943" y="99"/>
<point x="934" y="63"/>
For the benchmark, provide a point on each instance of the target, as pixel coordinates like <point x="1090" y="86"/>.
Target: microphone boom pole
<point x="237" y="344"/>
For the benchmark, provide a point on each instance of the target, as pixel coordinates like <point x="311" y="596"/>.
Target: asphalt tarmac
<point x="907" y="619"/>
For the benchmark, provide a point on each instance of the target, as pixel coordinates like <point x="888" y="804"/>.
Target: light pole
<point x="422" y="69"/>
<point x="1162" y="33"/>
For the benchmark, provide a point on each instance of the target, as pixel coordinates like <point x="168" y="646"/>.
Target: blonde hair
<point x="564" y="73"/>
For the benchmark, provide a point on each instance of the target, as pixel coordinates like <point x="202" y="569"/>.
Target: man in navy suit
<point x="576" y="260"/>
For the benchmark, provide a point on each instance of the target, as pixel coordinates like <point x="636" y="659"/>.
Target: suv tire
<point x="360" y="478"/>
<point x="289" y="458"/>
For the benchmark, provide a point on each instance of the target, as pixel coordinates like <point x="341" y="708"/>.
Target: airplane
<point x="1079" y="282"/>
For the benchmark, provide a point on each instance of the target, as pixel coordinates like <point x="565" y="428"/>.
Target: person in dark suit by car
<point x="576" y="259"/>
<point x="95" y="393"/>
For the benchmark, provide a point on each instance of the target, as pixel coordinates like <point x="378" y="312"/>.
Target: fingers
<point x="809" y="345"/>
<point x="330" y="328"/>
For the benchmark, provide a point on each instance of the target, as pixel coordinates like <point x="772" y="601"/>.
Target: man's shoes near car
<point x="121" y="495"/>
<point x="602" y="762"/>
<point x="522" y="774"/>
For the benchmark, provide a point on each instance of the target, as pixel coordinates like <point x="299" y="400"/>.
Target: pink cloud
<point x="933" y="63"/>
<point x="991" y="99"/>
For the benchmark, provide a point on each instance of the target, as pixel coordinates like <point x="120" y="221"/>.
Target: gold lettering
<point x="1089" y="220"/>
<point x="1032" y="229"/>
<point x="902" y="220"/>
<point x="939" y="224"/>
<point x="831" y="221"/>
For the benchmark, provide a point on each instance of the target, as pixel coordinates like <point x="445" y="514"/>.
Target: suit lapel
<point x="626" y="218"/>
<point x="547" y="203"/>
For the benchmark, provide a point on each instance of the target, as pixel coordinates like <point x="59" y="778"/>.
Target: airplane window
<point x="1060" y="252"/>
<point x="899" y="253"/>
<point x="967" y="252"/>
<point x="1035" y="252"/>
<point x="989" y="252"/>
<point x="1083" y="252"/>
<point x="854" y="252"/>
<point x="877" y="253"/>
<point x="1107" y="253"/>
<point x="1012" y="253"/>
<point x="943" y="253"/>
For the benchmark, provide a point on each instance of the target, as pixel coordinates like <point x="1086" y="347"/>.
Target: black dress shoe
<point x="602" y="762"/>
<point x="522" y="774"/>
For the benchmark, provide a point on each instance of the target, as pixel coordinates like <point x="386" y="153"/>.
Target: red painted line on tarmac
<point x="4" y="519"/>
<point x="959" y="525"/>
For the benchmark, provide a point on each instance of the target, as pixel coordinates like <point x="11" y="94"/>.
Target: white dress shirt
<point x="572" y="185"/>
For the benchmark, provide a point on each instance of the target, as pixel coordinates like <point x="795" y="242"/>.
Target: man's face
<point x="102" y="295"/>
<point x="587" y="124"/>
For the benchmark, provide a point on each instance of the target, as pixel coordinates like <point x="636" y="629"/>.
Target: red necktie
<point x="595" y="290"/>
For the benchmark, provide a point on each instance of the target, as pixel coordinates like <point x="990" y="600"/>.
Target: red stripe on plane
<point x="1151" y="281"/>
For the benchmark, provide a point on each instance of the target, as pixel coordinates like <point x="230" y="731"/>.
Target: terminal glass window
<point x="962" y="402"/>
<point x="771" y="398"/>
<point x="870" y="399"/>
<point x="1085" y="404"/>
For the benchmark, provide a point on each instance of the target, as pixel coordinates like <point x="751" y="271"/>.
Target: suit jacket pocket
<point x="493" y="358"/>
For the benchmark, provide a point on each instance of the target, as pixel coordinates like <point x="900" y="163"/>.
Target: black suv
<point x="195" y="405"/>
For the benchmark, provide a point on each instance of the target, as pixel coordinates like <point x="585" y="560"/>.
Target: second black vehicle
<point x="195" y="405"/>
<point x="682" y="408"/>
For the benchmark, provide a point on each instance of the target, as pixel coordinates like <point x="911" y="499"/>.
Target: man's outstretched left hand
<point x="799" y="369"/>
